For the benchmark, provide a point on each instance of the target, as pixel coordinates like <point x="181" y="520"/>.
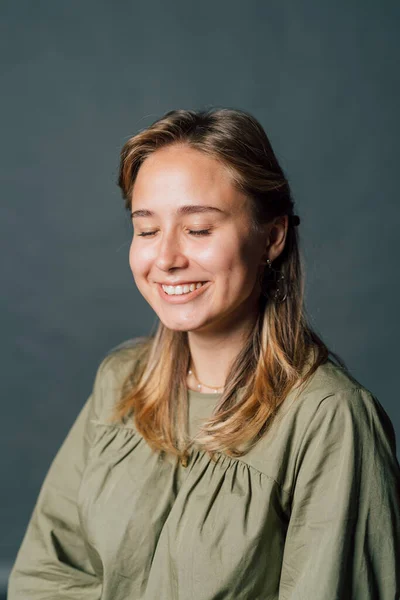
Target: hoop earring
<point x="273" y="283"/>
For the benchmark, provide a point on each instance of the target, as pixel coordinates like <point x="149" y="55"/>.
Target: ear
<point x="276" y="237"/>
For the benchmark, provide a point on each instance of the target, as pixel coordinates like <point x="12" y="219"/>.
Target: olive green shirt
<point x="312" y="512"/>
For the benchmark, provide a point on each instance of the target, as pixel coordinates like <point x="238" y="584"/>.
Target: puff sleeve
<point x="343" y="537"/>
<point x="53" y="561"/>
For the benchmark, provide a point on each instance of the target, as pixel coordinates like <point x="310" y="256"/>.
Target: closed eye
<point x="192" y="231"/>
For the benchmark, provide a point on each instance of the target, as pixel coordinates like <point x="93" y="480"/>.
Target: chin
<point x="177" y="325"/>
<point x="173" y="326"/>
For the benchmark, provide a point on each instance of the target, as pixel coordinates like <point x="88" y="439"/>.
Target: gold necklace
<point x="200" y="385"/>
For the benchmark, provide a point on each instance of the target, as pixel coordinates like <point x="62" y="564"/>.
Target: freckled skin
<point x="229" y="257"/>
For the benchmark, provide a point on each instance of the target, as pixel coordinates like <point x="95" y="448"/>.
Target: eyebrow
<point x="188" y="209"/>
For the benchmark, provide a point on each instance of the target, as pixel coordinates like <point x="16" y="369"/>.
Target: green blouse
<point x="312" y="512"/>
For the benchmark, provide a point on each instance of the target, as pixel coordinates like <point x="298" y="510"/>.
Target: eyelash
<point x="198" y="232"/>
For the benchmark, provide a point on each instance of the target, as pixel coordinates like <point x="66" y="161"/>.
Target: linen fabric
<point x="312" y="512"/>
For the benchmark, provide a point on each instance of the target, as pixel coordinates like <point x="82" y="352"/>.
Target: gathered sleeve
<point x="343" y="537"/>
<point x="53" y="562"/>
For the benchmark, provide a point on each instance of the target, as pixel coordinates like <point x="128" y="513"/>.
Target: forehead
<point x="178" y="174"/>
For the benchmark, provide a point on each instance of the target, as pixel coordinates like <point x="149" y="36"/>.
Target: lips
<point x="182" y="298"/>
<point x="183" y="289"/>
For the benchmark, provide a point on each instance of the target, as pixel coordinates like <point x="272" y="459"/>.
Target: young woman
<point x="230" y="455"/>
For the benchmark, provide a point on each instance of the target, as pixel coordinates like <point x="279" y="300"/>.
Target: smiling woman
<point x="277" y="478"/>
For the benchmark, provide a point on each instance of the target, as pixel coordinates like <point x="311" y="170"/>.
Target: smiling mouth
<point x="183" y="297"/>
<point x="182" y="289"/>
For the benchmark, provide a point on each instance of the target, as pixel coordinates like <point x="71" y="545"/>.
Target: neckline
<point x="206" y="396"/>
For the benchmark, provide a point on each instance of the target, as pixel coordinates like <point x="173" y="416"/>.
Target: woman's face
<point x="191" y="225"/>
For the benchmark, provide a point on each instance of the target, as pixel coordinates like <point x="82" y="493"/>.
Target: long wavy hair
<point x="281" y="352"/>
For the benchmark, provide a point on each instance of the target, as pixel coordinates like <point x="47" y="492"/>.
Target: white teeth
<point x="180" y="289"/>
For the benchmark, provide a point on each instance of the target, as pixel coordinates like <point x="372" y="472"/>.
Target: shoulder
<point x="331" y="414"/>
<point x="348" y="437"/>
<point x="118" y="361"/>
<point x="329" y="388"/>
<point x="115" y="367"/>
<point x="335" y="401"/>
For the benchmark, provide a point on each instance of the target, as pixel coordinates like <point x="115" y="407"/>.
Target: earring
<point x="273" y="283"/>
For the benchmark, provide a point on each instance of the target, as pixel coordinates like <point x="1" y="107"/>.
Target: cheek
<point x="234" y="257"/>
<point x="220" y="253"/>
<point x="138" y="260"/>
<point x="132" y="258"/>
<point x="250" y="253"/>
<point x="240" y="268"/>
<point x="226" y="259"/>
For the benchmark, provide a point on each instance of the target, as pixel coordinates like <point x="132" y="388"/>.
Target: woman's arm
<point x="52" y="561"/>
<point x="343" y="539"/>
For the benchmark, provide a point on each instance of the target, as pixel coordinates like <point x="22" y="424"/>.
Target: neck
<point x="213" y="352"/>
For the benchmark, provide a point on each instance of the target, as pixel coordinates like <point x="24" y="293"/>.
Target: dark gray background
<point x="79" y="78"/>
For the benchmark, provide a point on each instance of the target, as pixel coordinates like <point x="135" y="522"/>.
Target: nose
<point x="169" y="254"/>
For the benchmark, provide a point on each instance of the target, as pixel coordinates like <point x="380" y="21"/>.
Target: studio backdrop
<point x="78" y="79"/>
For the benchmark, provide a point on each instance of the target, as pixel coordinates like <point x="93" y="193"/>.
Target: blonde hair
<point x="282" y="350"/>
